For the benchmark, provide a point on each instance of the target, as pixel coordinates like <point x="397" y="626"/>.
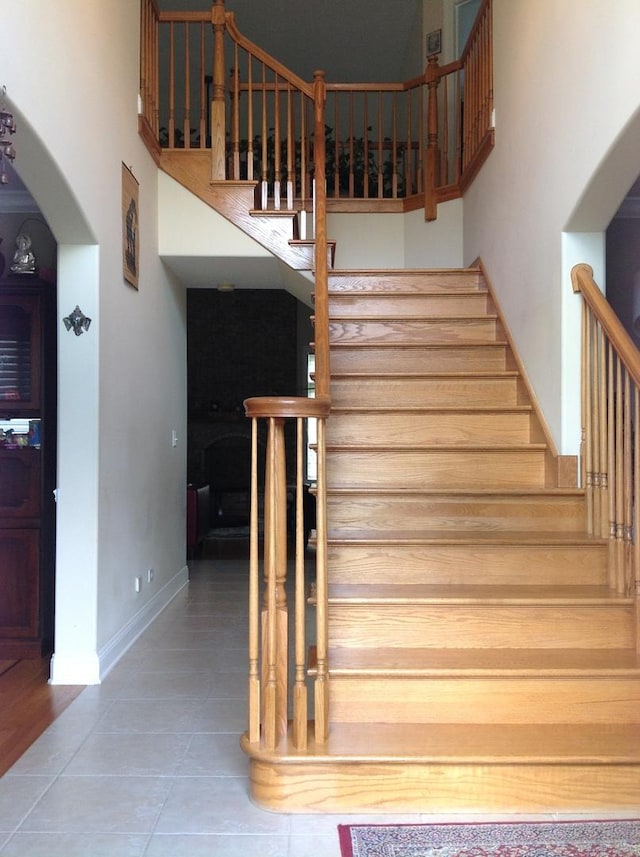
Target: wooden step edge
<point x="515" y="539"/>
<point x="466" y="493"/>
<point x="428" y="346"/>
<point x="460" y="744"/>
<point x="479" y="601"/>
<point x="424" y="319"/>
<point x="349" y="294"/>
<point x="418" y="376"/>
<point x="425" y="663"/>
<point x="410" y="272"/>
<point x="432" y="410"/>
<point x="273" y="212"/>
<point x="447" y="448"/>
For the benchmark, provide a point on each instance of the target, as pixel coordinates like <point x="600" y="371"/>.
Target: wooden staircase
<point x="478" y="659"/>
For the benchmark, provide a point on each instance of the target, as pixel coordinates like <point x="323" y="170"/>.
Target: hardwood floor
<point x="28" y="705"/>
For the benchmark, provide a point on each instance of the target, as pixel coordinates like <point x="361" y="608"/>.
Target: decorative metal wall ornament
<point x="77" y="321"/>
<point x="7" y="126"/>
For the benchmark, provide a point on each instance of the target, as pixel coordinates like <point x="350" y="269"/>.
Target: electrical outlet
<point x="137" y="583"/>
<point x="149" y="575"/>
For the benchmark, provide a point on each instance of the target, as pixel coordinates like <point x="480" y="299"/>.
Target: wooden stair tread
<point x="436" y="538"/>
<point x="477" y="595"/>
<point x="454" y="446"/>
<point x="459" y="343"/>
<point x="461" y="492"/>
<point x="453" y="743"/>
<point x="431" y="409"/>
<point x="422" y="662"/>
<point x="427" y="319"/>
<point x="416" y="376"/>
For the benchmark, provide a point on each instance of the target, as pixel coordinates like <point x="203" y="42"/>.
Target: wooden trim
<point x="519" y="366"/>
<point x="477" y="161"/>
<point x="286" y="407"/>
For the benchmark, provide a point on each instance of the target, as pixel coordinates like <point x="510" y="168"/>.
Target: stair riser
<point x="429" y="392"/>
<point x="395" y="786"/>
<point x="437" y="469"/>
<point x="404" y="306"/>
<point x="473" y="564"/>
<point x="474" y="514"/>
<point x="405" y="281"/>
<point x="414" y="332"/>
<point x="370" y="359"/>
<point x="428" y="428"/>
<point x="485" y="700"/>
<point x="463" y="626"/>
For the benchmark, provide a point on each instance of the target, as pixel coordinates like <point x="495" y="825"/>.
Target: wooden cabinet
<point x="20" y="347"/>
<point x="27" y="472"/>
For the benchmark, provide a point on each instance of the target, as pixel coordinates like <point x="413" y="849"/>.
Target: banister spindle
<point x="300" y="704"/>
<point x="431" y="154"/>
<point x="172" y="88"/>
<point x="203" y="131"/>
<point x="275" y="618"/>
<point x="254" y="596"/>
<point x="218" y="121"/>
<point x="186" y="124"/>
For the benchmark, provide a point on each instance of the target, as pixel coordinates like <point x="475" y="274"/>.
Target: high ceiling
<point x="351" y="40"/>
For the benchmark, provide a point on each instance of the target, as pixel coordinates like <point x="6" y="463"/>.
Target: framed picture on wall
<point x="434" y="42"/>
<point x="130" y="236"/>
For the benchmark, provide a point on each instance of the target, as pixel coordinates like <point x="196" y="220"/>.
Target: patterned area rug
<point x="534" y="839"/>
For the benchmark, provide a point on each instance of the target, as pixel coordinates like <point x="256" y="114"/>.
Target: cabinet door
<point x="19" y="484"/>
<point x="19" y="584"/>
<point x="19" y="353"/>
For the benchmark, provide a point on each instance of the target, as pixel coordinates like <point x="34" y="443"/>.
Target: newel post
<point x="218" y="128"/>
<point x="321" y="333"/>
<point x="432" y="79"/>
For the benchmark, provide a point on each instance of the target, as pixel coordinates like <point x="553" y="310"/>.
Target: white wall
<point x="72" y="75"/>
<point x="565" y="84"/>
<point x="398" y="241"/>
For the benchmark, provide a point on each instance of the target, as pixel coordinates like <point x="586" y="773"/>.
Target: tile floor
<point x="148" y="764"/>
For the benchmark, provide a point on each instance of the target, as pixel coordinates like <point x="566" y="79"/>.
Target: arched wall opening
<point x="74" y="658"/>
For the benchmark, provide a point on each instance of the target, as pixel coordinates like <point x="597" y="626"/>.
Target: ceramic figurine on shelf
<point x="24" y="262"/>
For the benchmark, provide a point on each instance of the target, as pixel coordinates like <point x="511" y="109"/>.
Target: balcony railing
<point x="388" y="146"/>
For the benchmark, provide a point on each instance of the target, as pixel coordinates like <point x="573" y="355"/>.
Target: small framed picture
<point x="434" y="42"/>
<point x="130" y="238"/>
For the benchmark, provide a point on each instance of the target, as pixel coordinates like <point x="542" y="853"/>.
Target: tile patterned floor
<point x="148" y="764"/>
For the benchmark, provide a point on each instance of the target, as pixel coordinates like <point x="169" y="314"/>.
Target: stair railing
<point x="610" y="454"/>
<point x="279" y="706"/>
<point x="388" y="146"/>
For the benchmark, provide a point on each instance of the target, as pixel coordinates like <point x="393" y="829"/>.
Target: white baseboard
<point x="93" y="667"/>
<point x="110" y="654"/>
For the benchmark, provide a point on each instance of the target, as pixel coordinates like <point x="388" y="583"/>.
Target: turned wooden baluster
<point x="218" y="121"/>
<point x="431" y="77"/>
<point x="186" y="121"/>
<point x="255" y="705"/>
<point x="275" y="620"/>
<point x="300" y="700"/>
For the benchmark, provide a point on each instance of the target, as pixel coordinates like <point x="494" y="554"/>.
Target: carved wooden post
<point x="218" y="129"/>
<point x="432" y="79"/>
<point x="321" y="265"/>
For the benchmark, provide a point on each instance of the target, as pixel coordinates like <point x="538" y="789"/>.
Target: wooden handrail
<point x="610" y="445"/>
<point x="583" y="283"/>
